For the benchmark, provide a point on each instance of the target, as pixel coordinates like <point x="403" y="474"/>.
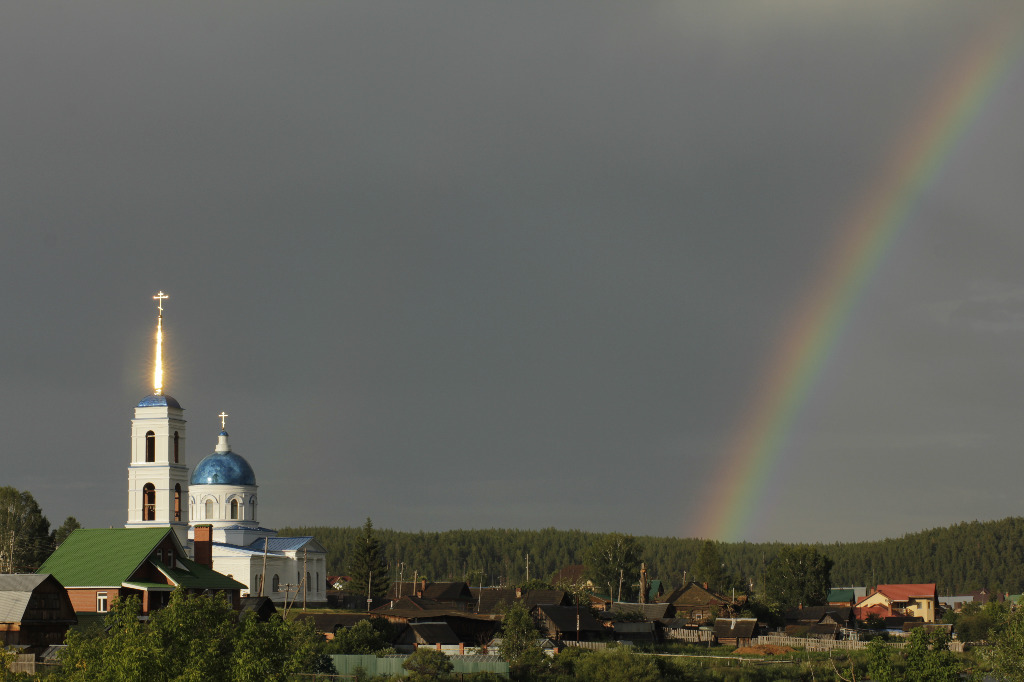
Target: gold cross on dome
<point x="160" y="296"/>
<point x="223" y="419"/>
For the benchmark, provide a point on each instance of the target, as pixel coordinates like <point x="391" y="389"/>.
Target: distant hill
<point x="960" y="558"/>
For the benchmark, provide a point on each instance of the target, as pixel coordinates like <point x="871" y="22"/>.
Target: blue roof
<point x="159" y="401"/>
<point x="223" y="468"/>
<point x="281" y="544"/>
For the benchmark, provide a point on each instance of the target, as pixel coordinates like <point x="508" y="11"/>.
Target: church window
<point x="307" y="583"/>
<point x="252" y="508"/>
<point x="177" y="502"/>
<point x="209" y="509"/>
<point x="175" y="447"/>
<point x="101" y="602"/>
<point x="234" y="509"/>
<point x="150" y="446"/>
<point x="276" y="584"/>
<point x="148" y="502"/>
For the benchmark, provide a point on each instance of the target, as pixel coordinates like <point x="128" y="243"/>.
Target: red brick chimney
<point x="202" y="544"/>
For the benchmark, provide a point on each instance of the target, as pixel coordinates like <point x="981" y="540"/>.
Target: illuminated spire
<point x="223" y="419"/>
<point x="158" y="371"/>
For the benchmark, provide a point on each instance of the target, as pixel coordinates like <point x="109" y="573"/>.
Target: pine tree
<point x="366" y="565"/>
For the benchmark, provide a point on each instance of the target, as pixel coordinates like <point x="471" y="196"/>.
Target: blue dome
<point x="223" y="468"/>
<point x="159" y="401"/>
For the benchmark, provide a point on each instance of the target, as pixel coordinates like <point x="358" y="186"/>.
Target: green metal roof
<point x="102" y="557"/>
<point x="108" y="557"/>
<point x="836" y="594"/>
<point x="199" y="577"/>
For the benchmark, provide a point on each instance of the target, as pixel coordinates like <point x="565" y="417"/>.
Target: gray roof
<point x="15" y="594"/>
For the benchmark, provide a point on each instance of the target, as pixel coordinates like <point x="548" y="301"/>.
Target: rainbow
<point x="756" y="448"/>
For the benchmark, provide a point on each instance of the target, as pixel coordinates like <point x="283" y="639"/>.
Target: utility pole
<point x="369" y="588"/>
<point x="527" y="567"/>
<point x="621" y="574"/>
<point x="263" y="578"/>
<point x="305" y="573"/>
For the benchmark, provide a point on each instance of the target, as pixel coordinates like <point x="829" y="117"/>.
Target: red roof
<point x="906" y="592"/>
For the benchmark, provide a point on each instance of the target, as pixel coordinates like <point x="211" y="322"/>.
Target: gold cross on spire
<point x="160" y="296"/>
<point x="223" y="419"/>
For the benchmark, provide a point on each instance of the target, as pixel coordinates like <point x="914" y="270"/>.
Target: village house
<point x="35" y="612"/>
<point x="100" y="566"/>
<point x="914" y="600"/>
<point x="697" y="604"/>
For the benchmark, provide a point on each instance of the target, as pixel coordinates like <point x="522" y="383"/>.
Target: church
<point x="217" y="501"/>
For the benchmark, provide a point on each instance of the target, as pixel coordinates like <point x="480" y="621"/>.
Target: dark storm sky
<point x="504" y="264"/>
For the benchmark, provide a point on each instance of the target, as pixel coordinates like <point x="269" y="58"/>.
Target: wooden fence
<point x="830" y="644"/>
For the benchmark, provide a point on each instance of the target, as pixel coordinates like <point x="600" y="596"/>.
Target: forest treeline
<point x="960" y="558"/>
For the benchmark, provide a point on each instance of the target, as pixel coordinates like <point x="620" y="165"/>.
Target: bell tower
<point x="158" y="472"/>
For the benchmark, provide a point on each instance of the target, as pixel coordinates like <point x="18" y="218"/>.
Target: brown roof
<point x="693" y="594"/>
<point x="564" y="618"/>
<point x="453" y="591"/>
<point x="732" y="628"/>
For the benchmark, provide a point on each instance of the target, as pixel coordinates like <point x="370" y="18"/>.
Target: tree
<point x="880" y="664"/>
<point x="519" y="638"/>
<point x="1007" y="650"/>
<point x="617" y="664"/>
<point x="24" y="532"/>
<point x="195" y="637"/>
<point x="708" y="568"/>
<point x="427" y="664"/>
<point x="366" y="564"/>
<point x="61" y="534"/>
<point x="929" y="658"/>
<point x="613" y="557"/>
<point x="798" y="575"/>
<point x="373" y="636"/>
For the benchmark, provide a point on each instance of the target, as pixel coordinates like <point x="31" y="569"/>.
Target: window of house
<point x="209" y="509"/>
<point x="175" y="447"/>
<point x="234" y="509"/>
<point x="101" y="602"/>
<point x="276" y="584"/>
<point x="150" y="446"/>
<point x="177" y="502"/>
<point x="307" y="583"/>
<point x="148" y="502"/>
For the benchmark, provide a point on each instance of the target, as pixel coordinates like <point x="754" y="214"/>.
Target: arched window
<point x="307" y="583"/>
<point x="150" y="446"/>
<point x="234" y="509"/>
<point x="276" y="584"/>
<point x="252" y="508"/>
<point x="177" y="502"/>
<point x="175" y="447"/>
<point x="149" y="502"/>
<point x="209" y="509"/>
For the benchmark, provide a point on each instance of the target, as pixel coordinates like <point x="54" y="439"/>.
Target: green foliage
<point x="372" y="636"/>
<point x="708" y="568"/>
<point x="977" y="623"/>
<point x="427" y="664"/>
<point x="60" y="534"/>
<point x="367" y="566"/>
<point x="617" y="664"/>
<point x="1007" y="649"/>
<point x="960" y="558"/>
<point x="24" y="532"/>
<point x="612" y="558"/>
<point x="193" y="638"/>
<point x="929" y="658"/>
<point x="797" y="575"/>
<point x="519" y="638"/>
<point x="536" y="584"/>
